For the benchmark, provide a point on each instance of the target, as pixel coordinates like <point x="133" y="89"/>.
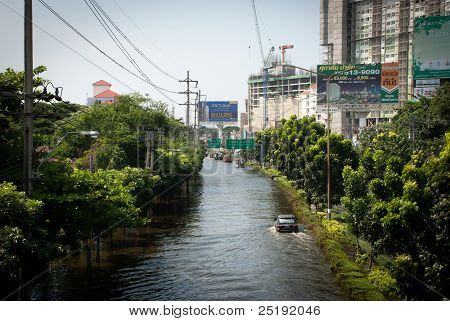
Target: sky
<point x="215" y="40"/>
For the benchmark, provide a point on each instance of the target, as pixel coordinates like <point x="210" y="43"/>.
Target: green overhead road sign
<point x="214" y="143"/>
<point x="240" y="143"/>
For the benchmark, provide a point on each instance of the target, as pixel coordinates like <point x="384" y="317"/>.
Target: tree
<point x="355" y="201"/>
<point x="121" y="126"/>
<point x="23" y="240"/>
<point x="401" y="204"/>
<point x="11" y="120"/>
<point x="342" y="154"/>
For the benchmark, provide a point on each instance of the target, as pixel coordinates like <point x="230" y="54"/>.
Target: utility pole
<point x="188" y="91"/>
<point x="149" y="155"/>
<point x="28" y="106"/>
<point x="328" y="154"/>
<point x="197" y="109"/>
<point x="137" y="146"/>
<point x="91" y="162"/>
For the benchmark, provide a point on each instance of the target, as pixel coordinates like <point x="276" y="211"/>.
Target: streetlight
<point x="93" y="133"/>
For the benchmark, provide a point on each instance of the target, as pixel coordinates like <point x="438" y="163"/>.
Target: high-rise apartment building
<point x="372" y="31"/>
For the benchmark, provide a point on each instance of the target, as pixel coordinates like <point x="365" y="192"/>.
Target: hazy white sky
<point x="215" y="40"/>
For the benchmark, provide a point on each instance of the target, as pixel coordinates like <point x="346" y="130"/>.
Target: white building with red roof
<point x="102" y="93"/>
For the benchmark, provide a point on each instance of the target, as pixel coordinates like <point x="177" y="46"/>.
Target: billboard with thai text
<point x="357" y="84"/>
<point x="222" y="111"/>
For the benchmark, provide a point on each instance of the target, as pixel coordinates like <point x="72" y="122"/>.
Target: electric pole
<point x="149" y="155"/>
<point x="28" y="106"/>
<point x="138" y="138"/>
<point x="188" y="91"/>
<point x="329" y="204"/>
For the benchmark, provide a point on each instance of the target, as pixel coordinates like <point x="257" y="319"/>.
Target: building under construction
<point x="372" y="31"/>
<point x="285" y="84"/>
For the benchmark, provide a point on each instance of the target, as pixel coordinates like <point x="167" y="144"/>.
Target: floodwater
<point x="213" y="242"/>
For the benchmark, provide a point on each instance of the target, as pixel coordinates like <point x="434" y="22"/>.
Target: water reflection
<point x="214" y="243"/>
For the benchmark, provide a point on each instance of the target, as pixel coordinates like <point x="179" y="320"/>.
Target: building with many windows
<point x="284" y="86"/>
<point x="372" y="31"/>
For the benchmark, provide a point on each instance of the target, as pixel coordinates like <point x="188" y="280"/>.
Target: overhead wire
<point x="101" y="12"/>
<point x="68" y="47"/>
<point x="132" y="44"/>
<point x="146" y="37"/>
<point x="95" y="46"/>
<point x="114" y="38"/>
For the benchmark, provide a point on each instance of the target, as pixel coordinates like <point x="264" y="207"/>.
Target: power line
<point x="132" y="44"/>
<point x="97" y="7"/>
<point x="95" y="46"/>
<point x="146" y="37"/>
<point x="69" y="47"/>
<point x="114" y="38"/>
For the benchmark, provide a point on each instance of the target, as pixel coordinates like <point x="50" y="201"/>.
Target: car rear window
<point x="286" y="221"/>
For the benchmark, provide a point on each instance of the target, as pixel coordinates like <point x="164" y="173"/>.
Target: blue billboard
<point x="222" y="111"/>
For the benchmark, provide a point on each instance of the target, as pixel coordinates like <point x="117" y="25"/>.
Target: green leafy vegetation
<point x="394" y="188"/>
<point x="88" y="185"/>
<point x="332" y="239"/>
<point x="397" y="199"/>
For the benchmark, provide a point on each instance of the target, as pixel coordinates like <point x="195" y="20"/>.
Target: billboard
<point x="389" y="83"/>
<point x="222" y="111"/>
<point x="431" y="49"/>
<point x="425" y="87"/>
<point x="358" y="84"/>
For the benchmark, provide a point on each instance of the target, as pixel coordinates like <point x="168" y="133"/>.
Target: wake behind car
<point x="286" y="223"/>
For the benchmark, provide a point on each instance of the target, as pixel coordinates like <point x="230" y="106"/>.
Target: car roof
<point x="286" y="216"/>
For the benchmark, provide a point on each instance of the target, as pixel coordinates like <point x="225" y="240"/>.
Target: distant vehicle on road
<point x="286" y="223"/>
<point x="227" y="158"/>
<point x="240" y="163"/>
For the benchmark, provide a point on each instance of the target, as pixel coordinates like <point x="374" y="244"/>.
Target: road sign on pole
<point x="248" y="143"/>
<point x="214" y="143"/>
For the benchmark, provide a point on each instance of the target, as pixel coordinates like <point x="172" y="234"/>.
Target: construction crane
<point x="283" y="50"/>
<point x="265" y="66"/>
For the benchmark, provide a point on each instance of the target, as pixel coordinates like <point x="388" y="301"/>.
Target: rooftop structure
<point x="102" y="93"/>
<point x="284" y="86"/>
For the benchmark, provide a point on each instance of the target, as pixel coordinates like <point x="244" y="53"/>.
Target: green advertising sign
<point x="240" y="143"/>
<point x="214" y="143"/>
<point x="431" y="49"/>
<point x="357" y="84"/>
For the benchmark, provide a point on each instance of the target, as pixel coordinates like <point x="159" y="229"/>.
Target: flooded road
<point x="216" y="242"/>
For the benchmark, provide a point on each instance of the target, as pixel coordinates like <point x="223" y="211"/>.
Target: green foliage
<point x="298" y="151"/>
<point x="331" y="239"/>
<point x="397" y="199"/>
<point x="336" y="229"/>
<point x="342" y="154"/>
<point x="80" y="204"/>
<point x="72" y="203"/>
<point x="23" y="239"/>
<point x="384" y="282"/>
<point x="11" y="121"/>
<point x="121" y="125"/>
<point x="361" y="259"/>
<point x="353" y="280"/>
